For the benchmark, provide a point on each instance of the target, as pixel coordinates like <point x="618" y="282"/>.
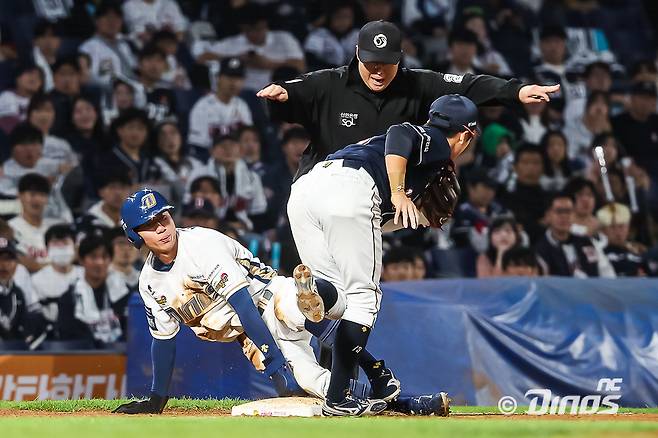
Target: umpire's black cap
<point x="454" y="112"/>
<point x="380" y="41"/>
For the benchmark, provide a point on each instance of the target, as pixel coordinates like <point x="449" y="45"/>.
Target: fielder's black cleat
<point x="353" y="407"/>
<point x="385" y="386"/>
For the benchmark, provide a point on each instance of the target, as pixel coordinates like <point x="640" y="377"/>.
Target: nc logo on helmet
<point x="380" y="41"/>
<point x="148" y="201"/>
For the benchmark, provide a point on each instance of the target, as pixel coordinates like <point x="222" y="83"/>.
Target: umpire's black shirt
<point x="338" y="109"/>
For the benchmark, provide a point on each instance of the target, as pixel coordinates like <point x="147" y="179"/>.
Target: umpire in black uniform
<point x="344" y="105"/>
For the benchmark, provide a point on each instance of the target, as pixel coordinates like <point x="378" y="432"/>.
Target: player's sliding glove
<point x="154" y="405"/>
<point x="285" y="383"/>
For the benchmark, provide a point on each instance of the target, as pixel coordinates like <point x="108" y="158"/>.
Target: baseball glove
<point x="437" y="202"/>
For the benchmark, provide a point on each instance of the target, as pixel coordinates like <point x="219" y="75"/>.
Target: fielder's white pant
<point x="286" y="323"/>
<point x="336" y="223"/>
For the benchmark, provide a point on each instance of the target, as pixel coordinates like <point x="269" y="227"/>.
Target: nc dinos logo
<point x="148" y="201"/>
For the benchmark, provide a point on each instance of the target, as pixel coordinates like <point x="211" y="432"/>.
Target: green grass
<point x="204" y="423"/>
<point x="379" y="427"/>
<point x="185" y="404"/>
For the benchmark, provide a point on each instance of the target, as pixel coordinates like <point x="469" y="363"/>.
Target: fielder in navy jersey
<point x="339" y="210"/>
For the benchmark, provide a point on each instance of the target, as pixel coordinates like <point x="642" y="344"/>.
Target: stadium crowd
<point x="99" y="98"/>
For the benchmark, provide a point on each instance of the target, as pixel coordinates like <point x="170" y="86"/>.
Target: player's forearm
<point x="396" y="168"/>
<point x="256" y="330"/>
<point x="163" y="356"/>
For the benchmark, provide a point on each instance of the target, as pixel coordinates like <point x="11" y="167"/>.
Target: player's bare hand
<point x="537" y="93"/>
<point x="405" y="210"/>
<point x="274" y="92"/>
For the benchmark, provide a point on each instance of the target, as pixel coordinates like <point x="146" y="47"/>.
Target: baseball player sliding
<point x="337" y="212"/>
<point x="189" y="278"/>
<point x="192" y="276"/>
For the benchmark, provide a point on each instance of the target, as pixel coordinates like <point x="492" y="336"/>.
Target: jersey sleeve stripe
<point x="234" y="289"/>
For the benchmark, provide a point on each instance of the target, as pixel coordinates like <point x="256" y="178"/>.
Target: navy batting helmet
<point x="454" y="112"/>
<point x="138" y="209"/>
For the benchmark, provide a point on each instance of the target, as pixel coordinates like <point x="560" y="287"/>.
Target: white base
<point x="280" y="407"/>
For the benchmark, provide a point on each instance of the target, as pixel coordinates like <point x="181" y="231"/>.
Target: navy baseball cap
<point x="199" y="207"/>
<point x="380" y="41"/>
<point x="7" y="247"/>
<point x="233" y="67"/>
<point x="454" y="112"/>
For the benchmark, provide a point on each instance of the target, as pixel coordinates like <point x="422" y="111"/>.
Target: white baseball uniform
<point x="279" y="46"/>
<point x="109" y="59"/>
<point x="207" y="257"/>
<point x="339" y="210"/>
<point x="335" y="218"/>
<point x="11" y="104"/>
<point x="211" y="117"/>
<point x="141" y="16"/>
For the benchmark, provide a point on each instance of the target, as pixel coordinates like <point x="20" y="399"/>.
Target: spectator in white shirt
<point x="241" y="188"/>
<point x="22" y="278"/>
<point x="221" y="112"/>
<point x="96" y="306"/>
<point x="26" y="157"/>
<point x="152" y="94"/>
<point x="175" y="75"/>
<point x="124" y="256"/>
<point x="51" y="282"/>
<point x="110" y="54"/>
<point x="175" y="166"/>
<point x="333" y="45"/>
<point x="596" y="77"/>
<point x="41" y="114"/>
<point x="13" y="103"/>
<point x="261" y="49"/>
<point x="594" y="121"/>
<point x="113" y="189"/>
<point x="46" y="44"/>
<point x="30" y="226"/>
<point x="143" y="17"/>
